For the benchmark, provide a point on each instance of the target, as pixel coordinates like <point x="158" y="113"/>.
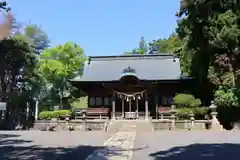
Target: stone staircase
<point x="115" y="126"/>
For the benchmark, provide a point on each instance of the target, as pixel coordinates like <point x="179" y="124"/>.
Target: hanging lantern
<point x="127" y="99"/>
<point x="139" y="97"/>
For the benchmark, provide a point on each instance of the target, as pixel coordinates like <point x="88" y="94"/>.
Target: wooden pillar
<point x="146" y="105"/>
<point x="156" y="103"/>
<point x="113" y="106"/>
<point x="122" y="108"/>
<point x="137" y="108"/>
<point x="130" y="105"/>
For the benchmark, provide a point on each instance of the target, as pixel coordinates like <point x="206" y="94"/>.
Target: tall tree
<point x="210" y="31"/>
<point x="143" y="46"/>
<point x="18" y="63"/>
<point x="205" y="34"/>
<point x="173" y="44"/>
<point x="35" y="36"/>
<point x="59" y="65"/>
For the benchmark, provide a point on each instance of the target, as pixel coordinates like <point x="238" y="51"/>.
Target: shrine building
<point x="132" y="86"/>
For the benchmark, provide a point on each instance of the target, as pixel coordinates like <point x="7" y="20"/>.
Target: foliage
<point x="142" y="48"/>
<point x="54" y="114"/>
<point x="62" y="113"/>
<point x="226" y="97"/>
<point x="172" y="44"/>
<point x="183" y="113"/>
<point x="46" y="115"/>
<point x="199" y="112"/>
<point x="4" y="6"/>
<point x="58" y="65"/>
<point x="186" y="100"/>
<point x="35" y="36"/>
<point x="18" y="63"/>
<point x="36" y="86"/>
<point x="210" y="31"/>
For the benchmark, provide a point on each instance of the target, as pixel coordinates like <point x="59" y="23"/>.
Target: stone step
<point x="130" y="125"/>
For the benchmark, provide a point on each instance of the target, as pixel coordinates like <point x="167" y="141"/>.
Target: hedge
<point x="199" y="112"/>
<point x="54" y="114"/>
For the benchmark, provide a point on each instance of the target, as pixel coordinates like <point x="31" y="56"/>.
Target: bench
<point x="97" y="113"/>
<point x="164" y="112"/>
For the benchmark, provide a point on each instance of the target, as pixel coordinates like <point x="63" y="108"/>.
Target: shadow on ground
<point x="200" y="152"/>
<point x="13" y="147"/>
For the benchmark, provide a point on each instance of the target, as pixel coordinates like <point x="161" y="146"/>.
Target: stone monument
<point x="215" y="123"/>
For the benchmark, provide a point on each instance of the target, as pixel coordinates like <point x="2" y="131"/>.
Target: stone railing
<point x="168" y="124"/>
<point x="77" y="125"/>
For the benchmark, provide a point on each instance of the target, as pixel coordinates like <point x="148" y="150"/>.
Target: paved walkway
<point x="118" y="147"/>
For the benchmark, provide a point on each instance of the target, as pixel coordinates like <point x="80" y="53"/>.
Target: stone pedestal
<point x="236" y="126"/>
<point x="192" y="119"/>
<point x="215" y="123"/>
<point x="173" y="121"/>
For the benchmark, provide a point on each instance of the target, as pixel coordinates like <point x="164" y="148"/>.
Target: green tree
<point x="143" y="47"/>
<point x="35" y="36"/>
<point x="18" y="63"/>
<point x="210" y="32"/>
<point x="60" y="64"/>
<point x="172" y="44"/>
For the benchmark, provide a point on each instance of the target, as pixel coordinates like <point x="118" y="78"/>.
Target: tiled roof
<point x="145" y="67"/>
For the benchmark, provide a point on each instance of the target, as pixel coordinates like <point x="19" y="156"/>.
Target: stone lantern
<point x="215" y="122"/>
<point x="213" y="107"/>
<point x="173" y="116"/>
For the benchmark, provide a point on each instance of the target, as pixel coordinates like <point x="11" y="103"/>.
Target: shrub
<point x="62" y="113"/>
<point x="186" y="100"/>
<point x="200" y="112"/>
<point x="54" y="114"/>
<point x="45" y="115"/>
<point x="195" y="103"/>
<point x="184" y="113"/>
<point x="225" y="97"/>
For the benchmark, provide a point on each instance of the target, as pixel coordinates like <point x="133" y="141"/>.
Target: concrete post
<point x="36" y="110"/>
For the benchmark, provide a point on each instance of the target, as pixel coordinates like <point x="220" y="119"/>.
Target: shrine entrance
<point x="131" y="104"/>
<point x="131" y="96"/>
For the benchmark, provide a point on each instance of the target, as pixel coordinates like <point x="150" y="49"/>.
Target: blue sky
<point x="101" y="27"/>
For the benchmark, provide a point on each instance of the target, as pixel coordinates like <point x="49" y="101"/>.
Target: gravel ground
<point x="37" y="145"/>
<point x="186" y="145"/>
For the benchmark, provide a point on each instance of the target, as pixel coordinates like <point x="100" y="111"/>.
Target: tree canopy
<point x="60" y="64"/>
